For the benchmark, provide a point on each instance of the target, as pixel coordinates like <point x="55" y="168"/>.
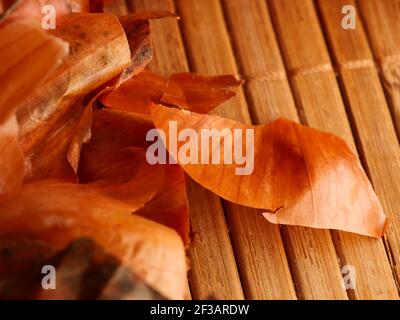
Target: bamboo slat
<point x="117" y="7"/>
<point x="260" y="254"/>
<point x="382" y="21"/>
<point x="203" y="23"/>
<point x="372" y="121"/>
<point x="319" y="101"/>
<point x="259" y="60"/>
<point x="213" y="270"/>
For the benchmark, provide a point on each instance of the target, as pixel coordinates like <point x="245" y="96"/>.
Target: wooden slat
<point x="257" y="243"/>
<point x="382" y="21"/>
<point x="319" y="99"/>
<point x="213" y="270"/>
<point x="117" y="7"/>
<point x="369" y="111"/>
<point x="210" y="51"/>
<point x="259" y="60"/>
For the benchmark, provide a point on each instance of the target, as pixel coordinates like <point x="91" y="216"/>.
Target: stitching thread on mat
<point x="357" y="64"/>
<point x="326" y="67"/>
<point x="268" y="76"/>
<point x="388" y="60"/>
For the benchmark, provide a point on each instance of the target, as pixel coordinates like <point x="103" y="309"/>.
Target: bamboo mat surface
<point x="297" y="62"/>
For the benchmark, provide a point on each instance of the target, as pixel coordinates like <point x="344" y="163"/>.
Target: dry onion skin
<point x="114" y="160"/>
<point x="56" y="213"/>
<point x="301" y="176"/>
<point x="188" y="91"/>
<point x="48" y="127"/>
<point x="30" y="56"/>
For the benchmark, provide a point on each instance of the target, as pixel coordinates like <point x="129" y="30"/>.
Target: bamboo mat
<point x="300" y="64"/>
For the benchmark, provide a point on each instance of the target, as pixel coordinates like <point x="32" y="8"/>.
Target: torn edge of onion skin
<point x="267" y="214"/>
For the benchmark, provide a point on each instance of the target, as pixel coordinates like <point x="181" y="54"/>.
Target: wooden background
<point x="298" y="62"/>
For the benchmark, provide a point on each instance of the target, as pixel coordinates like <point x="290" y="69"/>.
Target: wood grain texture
<point x="213" y="271"/>
<point x="382" y="22"/>
<point x="259" y="250"/>
<point x="319" y="100"/>
<point x="117" y="7"/>
<point x="259" y="60"/>
<point x="369" y="112"/>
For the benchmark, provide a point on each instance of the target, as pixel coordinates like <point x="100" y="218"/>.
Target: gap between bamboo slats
<point x="370" y="114"/>
<point x="319" y="99"/>
<point x="310" y="251"/>
<point x="382" y="21"/>
<point x="213" y="272"/>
